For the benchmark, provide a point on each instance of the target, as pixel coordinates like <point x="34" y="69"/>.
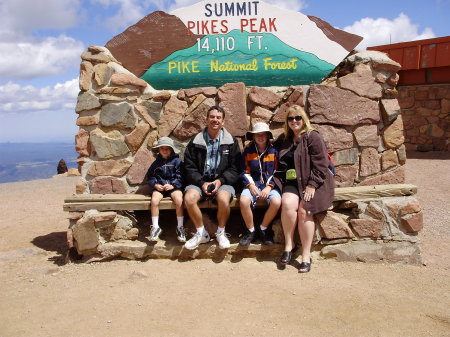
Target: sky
<point x="41" y="42"/>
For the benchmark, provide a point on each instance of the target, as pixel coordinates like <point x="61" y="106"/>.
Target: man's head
<point x="217" y="108"/>
<point x="215" y="118"/>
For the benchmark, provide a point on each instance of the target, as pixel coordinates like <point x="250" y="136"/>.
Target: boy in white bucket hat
<point x="165" y="177"/>
<point x="260" y="160"/>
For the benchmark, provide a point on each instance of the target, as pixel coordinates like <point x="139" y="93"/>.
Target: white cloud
<point x="39" y="57"/>
<point x="25" y="15"/>
<point x="15" y="98"/>
<point x="24" y="56"/>
<point x="384" y="31"/>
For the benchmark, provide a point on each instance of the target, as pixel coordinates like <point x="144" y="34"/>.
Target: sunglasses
<point x="297" y="118"/>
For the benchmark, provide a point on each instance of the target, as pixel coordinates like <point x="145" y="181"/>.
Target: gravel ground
<point x="41" y="297"/>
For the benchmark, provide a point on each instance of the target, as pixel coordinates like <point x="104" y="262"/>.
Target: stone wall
<point x="121" y="116"/>
<point x="355" y="109"/>
<point x="426" y="116"/>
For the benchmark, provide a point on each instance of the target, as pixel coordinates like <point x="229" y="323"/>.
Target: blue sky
<point x="41" y="42"/>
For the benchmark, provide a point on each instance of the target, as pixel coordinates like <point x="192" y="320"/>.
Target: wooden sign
<point x="215" y="42"/>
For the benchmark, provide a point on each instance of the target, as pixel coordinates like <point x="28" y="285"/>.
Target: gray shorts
<point x="228" y="188"/>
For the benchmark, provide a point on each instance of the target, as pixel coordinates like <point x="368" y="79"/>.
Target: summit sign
<point x="214" y="42"/>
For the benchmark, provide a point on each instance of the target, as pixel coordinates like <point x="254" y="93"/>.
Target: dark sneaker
<point x="155" y="232"/>
<point x="181" y="234"/>
<point x="266" y="237"/>
<point x="248" y="238"/>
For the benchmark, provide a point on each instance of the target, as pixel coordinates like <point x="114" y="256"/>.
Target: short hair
<point x="218" y="108"/>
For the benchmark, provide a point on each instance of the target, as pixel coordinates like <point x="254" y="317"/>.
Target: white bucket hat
<point x="257" y="128"/>
<point x="166" y="141"/>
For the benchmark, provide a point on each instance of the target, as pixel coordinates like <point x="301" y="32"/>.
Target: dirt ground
<point x="39" y="296"/>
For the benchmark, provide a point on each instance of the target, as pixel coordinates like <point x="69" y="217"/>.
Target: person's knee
<point x="244" y="201"/>
<point x="190" y="198"/>
<point x="275" y="202"/>
<point x="223" y="198"/>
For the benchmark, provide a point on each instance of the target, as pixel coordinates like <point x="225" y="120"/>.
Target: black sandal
<point x="286" y="257"/>
<point x="305" y="267"/>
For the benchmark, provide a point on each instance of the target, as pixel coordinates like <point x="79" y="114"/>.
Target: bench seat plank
<point x="122" y="202"/>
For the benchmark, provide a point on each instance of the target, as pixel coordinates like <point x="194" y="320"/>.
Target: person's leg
<point x="154" y="204"/>
<point x="177" y="197"/>
<point x="272" y="211"/>
<point x="289" y="207"/>
<point x="223" y="207"/>
<point x="245" y="203"/>
<point x="191" y="199"/>
<point x="155" y="230"/>
<point x="306" y="228"/>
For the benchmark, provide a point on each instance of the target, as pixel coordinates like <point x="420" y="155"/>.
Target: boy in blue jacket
<point x="260" y="160"/>
<point x="165" y="179"/>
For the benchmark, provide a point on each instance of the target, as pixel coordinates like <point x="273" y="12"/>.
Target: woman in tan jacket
<point x="307" y="184"/>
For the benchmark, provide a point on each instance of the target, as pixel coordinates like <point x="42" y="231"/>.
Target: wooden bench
<point x="135" y="202"/>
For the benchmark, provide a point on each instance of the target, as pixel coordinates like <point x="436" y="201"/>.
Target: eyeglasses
<point x="297" y="118"/>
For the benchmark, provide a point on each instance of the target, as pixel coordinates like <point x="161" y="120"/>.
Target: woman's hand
<point x="309" y="192"/>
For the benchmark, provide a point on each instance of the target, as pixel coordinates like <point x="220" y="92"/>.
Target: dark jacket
<point x="228" y="169"/>
<point x="311" y="163"/>
<point x="252" y="166"/>
<point x="166" y="171"/>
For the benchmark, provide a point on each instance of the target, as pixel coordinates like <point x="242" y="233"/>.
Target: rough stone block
<point x="173" y="113"/>
<point x="333" y="226"/>
<point x="264" y="97"/>
<point x="118" y="115"/>
<point x="367" y="227"/>
<point x="341" y="107"/>
<point x="413" y="222"/>
<point x="233" y="98"/>
<point x="107" y="185"/>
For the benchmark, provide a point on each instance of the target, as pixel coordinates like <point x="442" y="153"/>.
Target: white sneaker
<point x="223" y="241"/>
<point x="197" y="239"/>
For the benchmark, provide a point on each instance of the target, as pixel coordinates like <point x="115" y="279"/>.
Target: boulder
<point x="173" y="113"/>
<point x="232" y="97"/>
<point x="336" y="139"/>
<point x="107" y="185"/>
<point x="370" y="162"/>
<point x="393" y="134"/>
<point x="138" y="170"/>
<point x="264" y="97"/>
<point x="118" y="115"/>
<point x="367" y="135"/>
<point x="87" y="101"/>
<point x="116" y="168"/>
<point x="333" y="226"/>
<point x="136" y="137"/>
<point x="361" y="82"/>
<point x="86" y="71"/>
<point x="108" y="144"/>
<point x="330" y="105"/>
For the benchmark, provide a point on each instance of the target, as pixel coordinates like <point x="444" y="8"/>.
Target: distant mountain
<point x="29" y="161"/>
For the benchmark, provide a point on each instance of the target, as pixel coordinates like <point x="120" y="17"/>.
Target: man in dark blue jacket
<point x="212" y="163"/>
